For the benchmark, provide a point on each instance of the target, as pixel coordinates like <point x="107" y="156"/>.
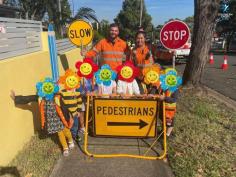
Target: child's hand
<point x="113" y="95"/>
<point x="12" y="94"/>
<point x="91" y="93"/>
<point x="150" y="95"/>
<point x="99" y="95"/>
<point x="162" y="97"/>
<point x="122" y="95"/>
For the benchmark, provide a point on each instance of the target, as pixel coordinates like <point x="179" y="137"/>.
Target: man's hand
<point x="83" y="51"/>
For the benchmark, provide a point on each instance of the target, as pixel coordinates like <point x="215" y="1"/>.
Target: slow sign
<point x="80" y="32"/>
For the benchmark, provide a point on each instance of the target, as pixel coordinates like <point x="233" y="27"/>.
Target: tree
<point x="128" y="18"/>
<point x="86" y="13"/>
<point x="52" y="8"/>
<point x="190" y="22"/>
<point x="104" y="28"/>
<point x="10" y="2"/>
<point x="157" y="31"/>
<point x="36" y="10"/>
<point x="226" y="25"/>
<point x="31" y="9"/>
<point x="205" y="14"/>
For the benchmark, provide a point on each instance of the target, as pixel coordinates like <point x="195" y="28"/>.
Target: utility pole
<point x="141" y="13"/>
<point x="73" y="8"/>
<point x="59" y="8"/>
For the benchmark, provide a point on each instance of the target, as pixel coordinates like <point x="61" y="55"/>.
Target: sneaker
<point x="78" y="139"/>
<point x="71" y="145"/>
<point x="66" y="152"/>
<point x="82" y="131"/>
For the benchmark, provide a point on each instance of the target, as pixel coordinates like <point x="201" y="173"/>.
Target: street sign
<point x="129" y="118"/>
<point x="174" y="34"/>
<point x="80" y="32"/>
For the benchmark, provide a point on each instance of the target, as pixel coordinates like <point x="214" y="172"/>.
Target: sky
<point x="160" y="10"/>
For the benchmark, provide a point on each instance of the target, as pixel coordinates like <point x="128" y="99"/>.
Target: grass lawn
<point x="38" y="157"/>
<point x="204" y="143"/>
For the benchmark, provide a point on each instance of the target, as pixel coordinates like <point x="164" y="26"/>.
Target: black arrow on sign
<point x="141" y="124"/>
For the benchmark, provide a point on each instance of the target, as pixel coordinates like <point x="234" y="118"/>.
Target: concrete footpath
<point x="78" y="164"/>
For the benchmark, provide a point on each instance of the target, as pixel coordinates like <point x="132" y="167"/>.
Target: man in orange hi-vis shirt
<point x="111" y="50"/>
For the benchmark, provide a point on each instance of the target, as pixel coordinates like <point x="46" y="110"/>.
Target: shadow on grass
<point x="9" y="171"/>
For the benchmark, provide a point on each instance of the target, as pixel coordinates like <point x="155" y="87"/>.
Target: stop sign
<point x="174" y="34"/>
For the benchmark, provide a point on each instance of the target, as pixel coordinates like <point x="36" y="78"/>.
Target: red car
<point x="164" y="54"/>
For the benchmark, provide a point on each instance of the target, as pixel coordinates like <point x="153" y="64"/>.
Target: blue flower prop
<point x="170" y="81"/>
<point x="105" y="75"/>
<point x="47" y="89"/>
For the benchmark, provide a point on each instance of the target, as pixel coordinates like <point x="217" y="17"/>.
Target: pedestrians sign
<point x="80" y="32"/>
<point x="174" y="34"/>
<point x="129" y="118"/>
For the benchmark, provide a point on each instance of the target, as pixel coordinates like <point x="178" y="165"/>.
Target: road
<point x="222" y="81"/>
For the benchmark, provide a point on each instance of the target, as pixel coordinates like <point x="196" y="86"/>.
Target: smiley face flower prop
<point x="127" y="72"/>
<point x="70" y="80"/>
<point x="170" y="81"/>
<point x="87" y="68"/>
<point x="105" y="75"/>
<point x="47" y="88"/>
<point x="152" y="75"/>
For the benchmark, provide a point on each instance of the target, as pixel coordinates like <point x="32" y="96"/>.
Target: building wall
<point x="21" y="73"/>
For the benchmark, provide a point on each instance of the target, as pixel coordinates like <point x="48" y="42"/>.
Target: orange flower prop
<point x="87" y="68"/>
<point x="152" y="75"/>
<point x="70" y="80"/>
<point x="127" y="72"/>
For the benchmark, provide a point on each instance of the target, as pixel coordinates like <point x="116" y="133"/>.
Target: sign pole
<point x="173" y="61"/>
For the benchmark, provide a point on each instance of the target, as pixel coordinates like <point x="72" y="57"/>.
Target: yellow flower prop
<point x="70" y="80"/>
<point x="152" y="75"/>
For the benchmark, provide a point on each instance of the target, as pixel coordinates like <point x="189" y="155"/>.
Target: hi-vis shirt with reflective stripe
<point x="169" y="106"/>
<point x="110" y="53"/>
<point x="140" y="57"/>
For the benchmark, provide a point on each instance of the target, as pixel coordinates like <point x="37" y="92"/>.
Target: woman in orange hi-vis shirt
<point x="141" y="54"/>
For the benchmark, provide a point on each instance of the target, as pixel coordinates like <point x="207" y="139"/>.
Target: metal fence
<point x="64" y="45"/>
<point x="18" y="37"/>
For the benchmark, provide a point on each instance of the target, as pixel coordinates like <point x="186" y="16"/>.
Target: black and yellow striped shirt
<point x="71" y="101"/>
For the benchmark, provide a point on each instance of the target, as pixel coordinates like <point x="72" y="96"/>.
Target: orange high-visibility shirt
<point x="140" y="57"/>
<point x="110" y="53"/>
<point x="170" y="108"/>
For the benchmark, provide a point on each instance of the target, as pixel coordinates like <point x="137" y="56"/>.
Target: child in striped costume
<point x="70" y="97"/>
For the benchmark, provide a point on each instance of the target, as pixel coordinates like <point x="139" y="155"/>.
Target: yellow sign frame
<point x="81" y="41"/>
<point x="144" y="156"/>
